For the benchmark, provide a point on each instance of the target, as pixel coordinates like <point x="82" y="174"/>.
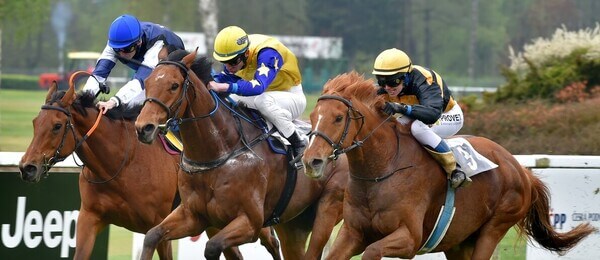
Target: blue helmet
<point x="124" y="31"/>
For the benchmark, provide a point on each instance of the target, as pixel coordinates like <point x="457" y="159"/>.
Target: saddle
<point x="277" y="142"/>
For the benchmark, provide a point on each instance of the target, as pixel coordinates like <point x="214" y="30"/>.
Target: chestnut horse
<point x="233" y="180"/>
<point x="124" y="182"/>
<point x="396" y="189"/>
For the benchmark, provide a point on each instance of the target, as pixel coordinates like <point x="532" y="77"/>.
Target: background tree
<point x="437" y="34"/>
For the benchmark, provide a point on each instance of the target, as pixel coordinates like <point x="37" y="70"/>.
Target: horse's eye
<point x="57" y="127"/>
<point x="338" y="119"/>
<point x="174" y="86"/>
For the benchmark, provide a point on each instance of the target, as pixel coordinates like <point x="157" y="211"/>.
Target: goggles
<point x="129" y="49"/>
<point x="392" y="81"/>
<point x="235" y="61"/>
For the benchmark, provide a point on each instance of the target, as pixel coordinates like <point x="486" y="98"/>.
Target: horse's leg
<point x="293" y="240"/>
<point x="180" y="223"/>
<point x="270" y="242"/>
<point x="348" y="243"/>
<point x="165" y="252"/>
<point x="237" y="232"/>
<point x="397" y="244"/>
<point x="88" y="227"/>
<point x="463" y="251"/>
<point x="490" y="235"/>
<point x="329" y="213"/>
<point x="231" y="252"/>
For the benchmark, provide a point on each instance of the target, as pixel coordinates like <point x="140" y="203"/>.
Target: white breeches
<point x="278" y="107"/>
<point x="449" y="124"/>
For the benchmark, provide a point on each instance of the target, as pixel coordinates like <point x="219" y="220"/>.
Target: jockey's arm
<point x="431" y="103"/>
<point x="104" y="66"/>
<point x="148" y="63"/>
<point x="269" y="63"/>
<point x="135" y="87"/>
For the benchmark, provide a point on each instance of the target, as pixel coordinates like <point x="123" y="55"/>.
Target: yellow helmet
<point x="390" y="62"/>
<point x="230" y="42"/>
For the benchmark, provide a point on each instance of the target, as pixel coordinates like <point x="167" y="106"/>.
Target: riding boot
<point x="298" y="146"/>
<point x="446" y="159"/>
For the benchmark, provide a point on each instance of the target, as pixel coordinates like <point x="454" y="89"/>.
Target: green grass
<point x="18" y="108"/>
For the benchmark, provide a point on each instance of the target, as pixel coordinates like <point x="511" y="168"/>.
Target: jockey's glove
<point x="391" y="108"/>
<point x="104" y="88"/>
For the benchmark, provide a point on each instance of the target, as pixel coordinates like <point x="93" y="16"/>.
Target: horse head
<point x="53" y="135"/>
<point x="346" y="114"/>
<point x="167" y="89"/>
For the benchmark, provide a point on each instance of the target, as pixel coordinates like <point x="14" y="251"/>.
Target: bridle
<point x="189" y="165"/>
<point x="172" y="119"/>
<point x="56" y="158"/>
<point x="69" y="125"/>
<point x="337" y="147"/>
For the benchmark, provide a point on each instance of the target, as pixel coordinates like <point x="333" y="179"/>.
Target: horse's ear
<point x="189" y="59"/>
<point x="51" y="90"/>
<point x="69" y="96"/>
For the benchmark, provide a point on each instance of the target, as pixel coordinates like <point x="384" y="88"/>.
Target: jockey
<point x="423" y="97"/>
<point x="137" y="45"/>
<point x="264" y="75"/>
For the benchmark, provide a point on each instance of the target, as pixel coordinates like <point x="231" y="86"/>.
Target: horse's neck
<point x="104" y="150"/>
<point x="212" y="136"/>
<point x="385" y="150"/>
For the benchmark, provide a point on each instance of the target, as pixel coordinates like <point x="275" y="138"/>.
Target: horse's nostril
<point x="149" y="128"/>
<point x="30" y="168"/>
<point x="28" y="171"/>
<point x="316" y="163"/>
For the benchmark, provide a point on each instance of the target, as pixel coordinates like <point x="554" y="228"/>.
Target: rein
<point x="337" y="147"/>
<point x="121" y="167"/>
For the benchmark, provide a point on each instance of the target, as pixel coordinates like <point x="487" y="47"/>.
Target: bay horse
<point x="233" y="180"/>
<point x="124" y="182"/>
<point x="396" y="189"/>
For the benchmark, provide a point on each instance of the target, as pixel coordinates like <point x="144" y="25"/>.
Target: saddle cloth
<point x="171" y="142"/>
<point x="468" y="159"/>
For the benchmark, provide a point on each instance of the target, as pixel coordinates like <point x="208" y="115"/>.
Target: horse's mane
<point x="202" y="66"/>
<point x="355" y="87"/>
<point x="86" y="100"/>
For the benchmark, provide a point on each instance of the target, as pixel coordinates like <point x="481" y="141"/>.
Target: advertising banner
<point x="38" y="220"/>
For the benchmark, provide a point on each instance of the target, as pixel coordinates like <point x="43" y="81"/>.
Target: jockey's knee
<point x="424" y="134"/>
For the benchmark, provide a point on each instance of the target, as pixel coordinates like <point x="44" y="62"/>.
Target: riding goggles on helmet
<point x="129" y="49"/>
<point x="392" y="81"/>
<point x="234" y="61"/>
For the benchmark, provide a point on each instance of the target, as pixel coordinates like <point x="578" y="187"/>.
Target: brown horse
<point x="232" y="181"/>
<point x="124" y="182"/>
<point x="396" y="189"/>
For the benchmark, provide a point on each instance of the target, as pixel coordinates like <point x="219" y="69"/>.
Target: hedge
<point x="18" y="81"/>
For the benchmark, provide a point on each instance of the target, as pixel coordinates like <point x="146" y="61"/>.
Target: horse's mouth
<point x="314" y="168"/>
<point x="32" y="172"/>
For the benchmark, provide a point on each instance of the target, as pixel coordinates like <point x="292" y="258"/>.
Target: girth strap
<point x="286" y="195"/>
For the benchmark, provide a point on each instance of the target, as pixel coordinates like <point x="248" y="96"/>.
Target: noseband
<point x="337" y="147"/>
